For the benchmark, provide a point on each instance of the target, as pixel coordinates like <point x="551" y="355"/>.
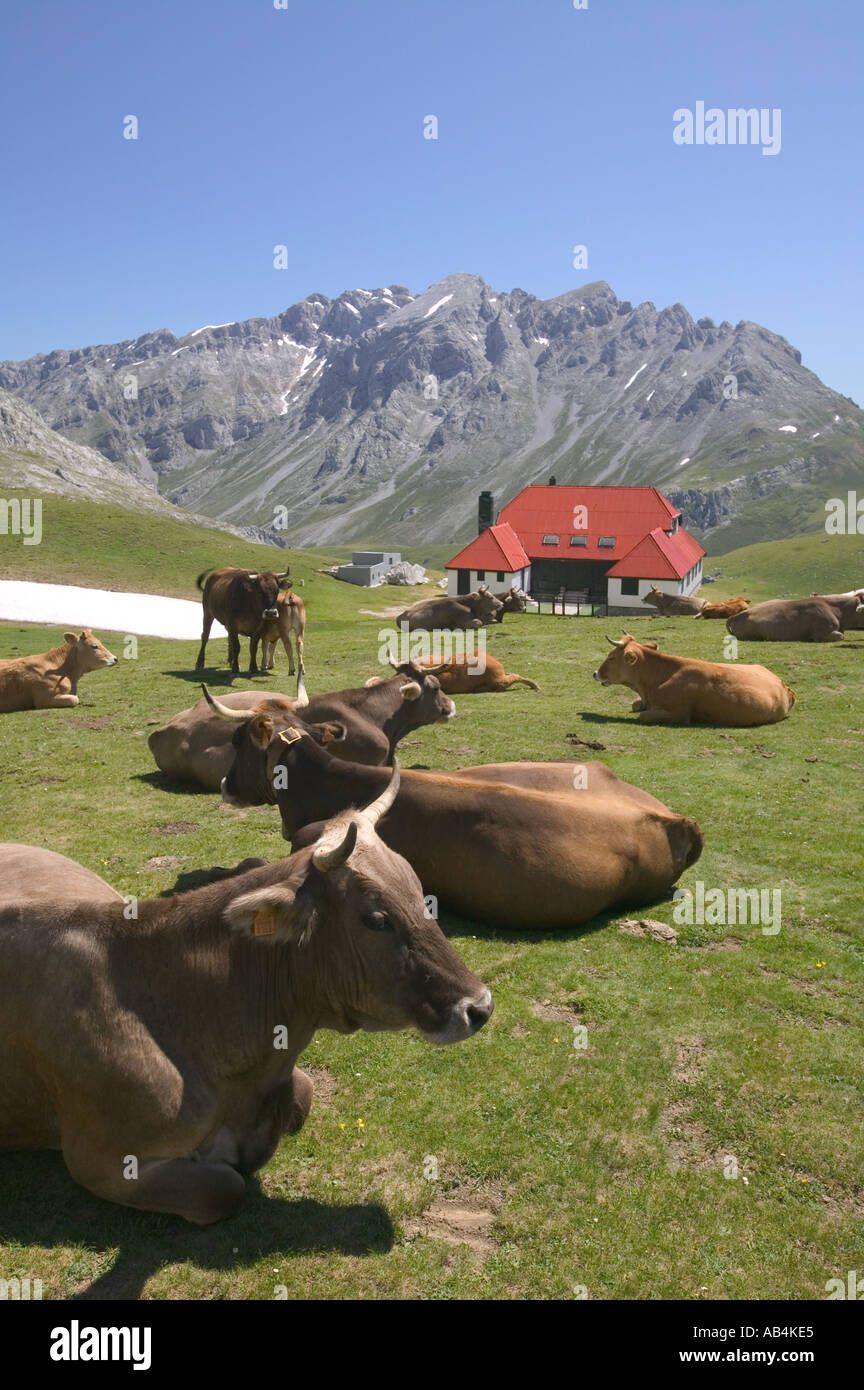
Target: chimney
<point x="553" y="481"/>
<point x="485" y="512"/>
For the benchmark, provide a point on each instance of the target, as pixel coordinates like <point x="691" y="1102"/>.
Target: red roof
<point x="625" y="514"/>
<point x="659" y="556"/>
<point x="636" y="520"/>
<point x="496" y="548"/>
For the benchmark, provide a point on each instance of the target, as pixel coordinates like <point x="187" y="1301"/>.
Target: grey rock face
<point x="381" y="415"/>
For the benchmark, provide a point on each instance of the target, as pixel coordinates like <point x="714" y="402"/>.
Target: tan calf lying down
<point x="727" y="609"/>
<point x="680" y="689"/>
<point x="50" y="680"/>
<point x="462" y="675"/>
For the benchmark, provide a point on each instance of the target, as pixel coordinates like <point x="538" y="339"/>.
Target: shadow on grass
<point x="219" y="675"/>
<point x="167" y="784"/>
<point x="41" y="1206"/>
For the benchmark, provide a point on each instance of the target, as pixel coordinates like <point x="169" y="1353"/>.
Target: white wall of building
<point x="519" y="579"/>
<point x="686" y="586"/>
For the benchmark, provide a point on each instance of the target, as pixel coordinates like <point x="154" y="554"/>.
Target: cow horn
<point x="302" y="697"/>
<point x="378" y="808"/>
<point x="325" y="858"/>
<point x="434" y="670"/>
<point x="237" y="716"/>
<point x="613" y="643"/>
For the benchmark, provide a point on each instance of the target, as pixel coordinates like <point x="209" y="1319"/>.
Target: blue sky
<point x="304" y="127"/>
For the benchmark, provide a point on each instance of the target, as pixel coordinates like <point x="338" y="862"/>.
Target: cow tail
<point x="203" y="575"/>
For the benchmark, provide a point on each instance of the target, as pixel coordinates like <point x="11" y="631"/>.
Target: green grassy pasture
<point x="607" y="1166"/>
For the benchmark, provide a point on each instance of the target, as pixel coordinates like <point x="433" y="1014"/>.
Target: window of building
<point x="551" y="540"/>
<point x="481" y="574"/>
<point x="630" y="586"/>
<point x="500" y="576"/>
<point x="606" y="543"/>
<point x="578" y="540"/>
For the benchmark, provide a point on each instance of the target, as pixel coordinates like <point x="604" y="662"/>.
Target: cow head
<point x="619" y="666"/>
<point x="352" y="915"/>
<point x="515" y="601"/>
<point x="422" y="699"/>
<point x="652" y="596"/>
<point x="486" y="605"/>
<point x="88" y="651"/>
<point x="261" y="588"/>
<point x="255" y="731"/>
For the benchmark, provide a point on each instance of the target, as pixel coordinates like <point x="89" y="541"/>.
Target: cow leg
<point x="234" y="651"/>
<point x="298" y="638"/>
<point x="662" y="716"/>
<point x="253" y="653"/>
<point x="284" y="1111"/>
<point x="199" y="1192"/>
<point x="638" y="704"/>
<point x="57" y="702"/>
<point x="286" y="643"/>
<point x="205" y="635"/>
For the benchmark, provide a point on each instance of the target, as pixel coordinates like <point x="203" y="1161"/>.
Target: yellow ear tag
<point x="290" y="735"/>
<point x="263" y="923"/>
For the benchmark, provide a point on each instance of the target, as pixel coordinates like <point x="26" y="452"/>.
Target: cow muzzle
<point x="271" y="614"/>
<point x="464" y="1020"/>
<point x="228" y="799"/>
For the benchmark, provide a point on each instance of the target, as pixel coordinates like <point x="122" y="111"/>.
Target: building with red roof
<point x="604" y="545"/>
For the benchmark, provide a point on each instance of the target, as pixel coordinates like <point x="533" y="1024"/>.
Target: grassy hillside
<point x="605" y="1166"/>
<point x="788" y="569"/>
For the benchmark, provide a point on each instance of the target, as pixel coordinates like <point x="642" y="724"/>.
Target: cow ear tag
<point x="290" y="735"/>
<point x="263" y="923"/>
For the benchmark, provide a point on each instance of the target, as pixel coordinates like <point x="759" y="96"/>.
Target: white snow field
<point x="144" y="615"/>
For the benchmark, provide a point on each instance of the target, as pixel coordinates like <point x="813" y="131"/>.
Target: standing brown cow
<point x="291" y="619"/>
<point x="241" y="600"/>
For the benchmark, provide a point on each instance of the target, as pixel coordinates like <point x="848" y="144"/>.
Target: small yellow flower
<point x="820" y="963"/>
<point x="554" y="1040"/>
<point x="361" y="1124"/>
<point x="341" y="1126"/>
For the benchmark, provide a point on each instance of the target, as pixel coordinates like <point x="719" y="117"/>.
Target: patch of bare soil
<point x="464" y="1216"/>
<point x="688" y="1143"/>
<point x="164" y="861"/>
<point x="689" y="1062"/>
<point x="176" y="827"/>
<point x="325" y="1087"/>
<point x="648" y="926"/>
<point x="86" y="721"/>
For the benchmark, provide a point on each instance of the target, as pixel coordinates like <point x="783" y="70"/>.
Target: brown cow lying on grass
<point x="821" y="618"/>
<point x="680" y="689"/>
<point x="460" y="676"/>
<point x="727" y="609"/>
<point x="537" y="846"/>
<point x="50" y="680"/>
<point x="363" y="725"/>
<point x="172" y="1040"/>
<point x="672" y="605"/>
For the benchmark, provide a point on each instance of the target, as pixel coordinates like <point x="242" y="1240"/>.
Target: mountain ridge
<point x="379" y="415"/>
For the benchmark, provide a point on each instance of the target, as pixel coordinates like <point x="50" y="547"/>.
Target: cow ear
<point x="373" y="680"/>
<point x="652" y="645"/>
<point x="333" y="732"/>
<point x="261" y="730"/>
<point x="70" y="637"/>
<point x="631" y="658"/>
<point x="410" y="691"/>
<point x="269" y="913"/>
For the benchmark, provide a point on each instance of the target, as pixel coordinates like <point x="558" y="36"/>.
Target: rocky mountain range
<point x="378" y="416"/>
